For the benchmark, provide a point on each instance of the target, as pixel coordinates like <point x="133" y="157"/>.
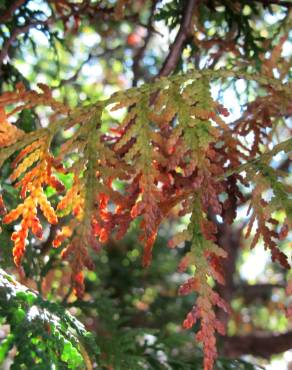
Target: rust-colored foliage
<point x="172" y="150"/>
<point x="9" y="133"/>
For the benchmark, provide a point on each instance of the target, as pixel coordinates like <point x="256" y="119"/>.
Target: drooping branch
<point x="285" y="146"/>
<point x="150" y="159"/>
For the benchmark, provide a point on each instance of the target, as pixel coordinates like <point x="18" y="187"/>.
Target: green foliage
<point x="43" y="334"/>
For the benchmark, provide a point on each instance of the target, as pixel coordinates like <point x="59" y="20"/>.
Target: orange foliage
<point x="172" y="150"/>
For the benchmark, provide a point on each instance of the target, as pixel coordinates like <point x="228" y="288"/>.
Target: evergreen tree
<point x="144" y="150"/>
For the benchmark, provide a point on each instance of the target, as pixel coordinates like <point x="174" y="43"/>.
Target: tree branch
<point x="141" y="51"/>
<point x="263" y="345"/>
<point x="16" y="32"/>
<point x="74" y="77"/>
<point x="275" y="2"/>
<point x="46" y="245"/>
<point x="229" y="239"/>
<point x="284" y="145"/>
<point x="177" y="46"/>
<point x="9" y="12"/>
<point x="251" y="293"/>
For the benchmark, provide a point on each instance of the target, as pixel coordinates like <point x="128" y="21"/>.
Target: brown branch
<point x="176" y="48"/>
<point x="141" y="51"/>
<point x="90" y="56"/>
<point x="229" y="238"/>
<point x="275" y="2"/>
<point x="74" y="77"/>
<point x="251" y="293"/>
<point x="9" y="12"/>
<point x="257" y="288"/>
<point x="262" y="345"/>
<point x="16" y="32"/>
<point x="74" y="10"/>
<point x="46" y="245"/>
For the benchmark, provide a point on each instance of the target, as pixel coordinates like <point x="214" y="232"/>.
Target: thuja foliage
<point x="42" y="334"/>
<point x="169" y="154"/>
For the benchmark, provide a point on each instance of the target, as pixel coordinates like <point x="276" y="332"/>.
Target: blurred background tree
<point x="86" y="50"/>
